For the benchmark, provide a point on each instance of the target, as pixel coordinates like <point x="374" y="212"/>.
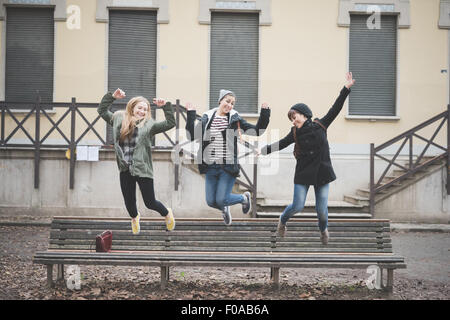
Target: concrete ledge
<point x="24" y="221"/>
<point x="413" y="227"/>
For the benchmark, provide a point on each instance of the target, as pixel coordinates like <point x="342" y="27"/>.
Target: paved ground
<point x="427" y="276"/>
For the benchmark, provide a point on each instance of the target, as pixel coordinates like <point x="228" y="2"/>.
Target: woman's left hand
<point x="265" y="105"/>
<point x="159" y="102"/>
<point x="350" y="80"/>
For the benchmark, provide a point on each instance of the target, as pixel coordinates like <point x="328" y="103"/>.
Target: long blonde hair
<point x="129" y="120"/>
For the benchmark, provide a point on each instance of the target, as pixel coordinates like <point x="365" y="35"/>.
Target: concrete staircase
<point x="355" y="206"/>
<point x="336" y="209"/>
<point x="361" y="198"/>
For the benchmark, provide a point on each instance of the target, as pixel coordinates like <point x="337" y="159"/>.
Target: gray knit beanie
<point x="224" y="92"/>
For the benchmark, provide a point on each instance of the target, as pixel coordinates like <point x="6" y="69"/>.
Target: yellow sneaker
<point x="135" y="227"/>
<point x="170" y="220"/>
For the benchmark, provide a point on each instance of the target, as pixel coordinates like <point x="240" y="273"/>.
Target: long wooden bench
<point x="210" y="243"/>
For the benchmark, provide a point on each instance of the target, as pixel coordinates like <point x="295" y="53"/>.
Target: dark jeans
<point x="128" y="186"/>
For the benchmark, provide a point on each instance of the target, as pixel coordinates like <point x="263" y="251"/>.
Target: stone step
<point x="357" y="200"/>
<point x="270" y="205"/>
<point x="343" y="215"/>
<point x="365" y="193"/>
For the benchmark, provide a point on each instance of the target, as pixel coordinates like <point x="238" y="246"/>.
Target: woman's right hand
<point x="119" y="94"/>
<point x="189" y="106"/>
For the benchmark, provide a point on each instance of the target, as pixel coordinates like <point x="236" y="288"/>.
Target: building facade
<point x="280" y="52"/>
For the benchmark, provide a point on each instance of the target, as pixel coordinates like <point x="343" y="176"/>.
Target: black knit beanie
<point x="303" y="109"/>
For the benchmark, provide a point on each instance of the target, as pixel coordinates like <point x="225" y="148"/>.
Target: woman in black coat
<point x="313" y="159"/>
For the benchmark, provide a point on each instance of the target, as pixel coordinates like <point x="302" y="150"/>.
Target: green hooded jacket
<point x="142" y="165"/>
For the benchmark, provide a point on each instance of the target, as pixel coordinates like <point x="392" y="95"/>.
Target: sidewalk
<point x="419" y="227"/>
<point x="395" y="226"/>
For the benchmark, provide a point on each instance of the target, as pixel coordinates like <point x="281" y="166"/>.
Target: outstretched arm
<point x="105" y="104"/>
<point x="339" y="103"/>
<point x="261" y="125"/>
<point x="279" y="145"/>
<point x="167" y="124"/>
<point x="191" y="127"/>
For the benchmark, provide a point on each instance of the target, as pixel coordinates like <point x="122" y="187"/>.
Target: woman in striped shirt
<point x="217" y="157"/>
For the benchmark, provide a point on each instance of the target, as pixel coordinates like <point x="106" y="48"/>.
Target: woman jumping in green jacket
<point x="133" y="130"/>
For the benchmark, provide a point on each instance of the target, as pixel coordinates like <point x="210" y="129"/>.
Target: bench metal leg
<point x="164" y="276"/>
<point x="60" y="272"/>
<point x="275" y="276"/>
<point x="50" y="275"/>
<point x="390" y="280"/>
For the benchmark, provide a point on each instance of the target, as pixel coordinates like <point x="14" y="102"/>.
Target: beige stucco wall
<point x="80" y="62"/>
<point x="303" y="57"/>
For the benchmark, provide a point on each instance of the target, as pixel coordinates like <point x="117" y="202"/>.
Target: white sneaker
<point x="226" y="215"/>
<point x="247" y="204"/>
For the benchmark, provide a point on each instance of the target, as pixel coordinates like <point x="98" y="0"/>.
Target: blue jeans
<point x="300" y="192"/>
<point x="218" y="187"/>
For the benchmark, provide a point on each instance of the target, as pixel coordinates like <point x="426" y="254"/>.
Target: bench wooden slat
<point x="209" y="242"/>
<point x="221" y="256"/>
<point x="83" y="238"/>
<point x="224" y="234"/>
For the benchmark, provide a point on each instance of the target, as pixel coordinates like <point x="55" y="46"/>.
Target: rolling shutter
<point x="235" y="58"/>
<point x="373" y="62"/>
<point x="29" y="54"/>
<point x="132" y="55"/>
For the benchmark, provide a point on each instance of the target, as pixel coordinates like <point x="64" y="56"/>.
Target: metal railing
<point x="71" y="139"/>
<point x="414" y="165"/>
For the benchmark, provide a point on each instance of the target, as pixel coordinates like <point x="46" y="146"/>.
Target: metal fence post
<point x="177" y="143"/>
<point x="37" y="142"/>
<point x="255" y="185"/>
<point x="72" y="143"/>
<point x="372" y="180"/>
<point x="2" y="139"/>
<point x="448" y="153"/>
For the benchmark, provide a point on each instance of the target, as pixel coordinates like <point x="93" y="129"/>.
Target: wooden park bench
<point x="210" y="243"/>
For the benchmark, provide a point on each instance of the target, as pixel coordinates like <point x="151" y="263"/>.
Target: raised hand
<point x="159" y="102"/>
<point x="119" y="94"/>
<point x="350" y="80"/>
<point x="265" y="105"/>
<point x="189" y="106"/>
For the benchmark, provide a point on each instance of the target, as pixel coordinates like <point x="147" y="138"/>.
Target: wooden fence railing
<point x="36" y="140"/>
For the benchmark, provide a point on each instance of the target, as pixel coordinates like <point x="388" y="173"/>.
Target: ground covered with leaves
<point x="20" y="279"/>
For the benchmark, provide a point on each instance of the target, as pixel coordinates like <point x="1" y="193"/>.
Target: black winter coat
<point x="201" y="132"/>
<point x="313" y="163"/>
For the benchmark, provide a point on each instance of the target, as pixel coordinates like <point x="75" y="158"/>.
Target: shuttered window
<point x="235" y="58"/>
<point x="29" y="54"/>
<point x="132" y="55"/>
<point x="373" y="61"/>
